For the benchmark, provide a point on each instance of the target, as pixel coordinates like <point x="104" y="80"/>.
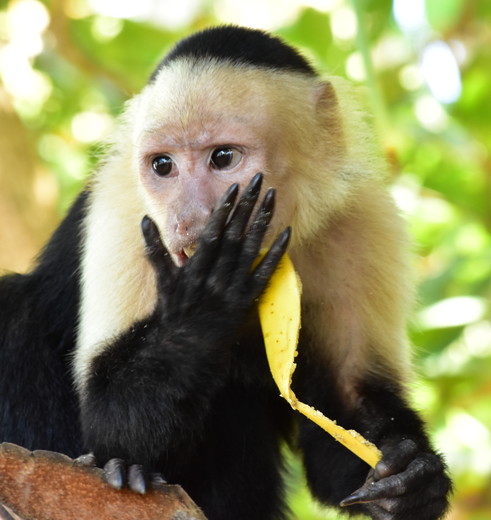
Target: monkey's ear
<point x="329" y="117"/>
<point x="325" y="97"/>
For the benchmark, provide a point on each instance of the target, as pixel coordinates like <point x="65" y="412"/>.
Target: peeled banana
<point x="279" y="314"/>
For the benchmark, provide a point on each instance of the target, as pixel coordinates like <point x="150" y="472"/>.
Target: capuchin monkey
<point x="136" y="337"/>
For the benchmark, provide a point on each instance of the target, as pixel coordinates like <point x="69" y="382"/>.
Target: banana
<point x="279" y="313"/>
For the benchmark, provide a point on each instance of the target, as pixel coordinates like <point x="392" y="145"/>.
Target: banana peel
<point x="279" y="313"/>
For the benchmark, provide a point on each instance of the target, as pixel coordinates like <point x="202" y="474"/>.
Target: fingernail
<point x="88" y="459"/>
<point x="255" y="184"/>
<point x="349" y="501"/>
<point x="136" y="479"/>
<point x="285" y="236"/>
<point x="358" y="496"/>
<point x="269" y="200"/>
<point x="149" y="228"/>
<point x="146" y="223"/>
<point x="158" y="480"/>
<point x="229" y="196"/>
<point x="114" y="473"/>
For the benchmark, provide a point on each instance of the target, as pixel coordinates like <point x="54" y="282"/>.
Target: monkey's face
<point x="195" y="138"/>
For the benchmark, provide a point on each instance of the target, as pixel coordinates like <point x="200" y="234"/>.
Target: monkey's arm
<point x="409" y="482"/>
<point x="150" y="390"/>
<point x="38" y="314"/>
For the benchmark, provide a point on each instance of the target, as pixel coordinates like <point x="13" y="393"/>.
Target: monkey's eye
<point x="225" y="158"/>
<point x="162" y="165"/>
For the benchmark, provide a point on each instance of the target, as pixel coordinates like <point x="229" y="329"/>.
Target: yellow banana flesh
<point x="279" y="314"/>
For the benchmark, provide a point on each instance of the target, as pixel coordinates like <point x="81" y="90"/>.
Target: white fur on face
<point x="348" y="242"/>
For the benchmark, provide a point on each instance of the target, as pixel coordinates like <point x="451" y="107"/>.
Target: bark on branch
<point x="44" y="485"/>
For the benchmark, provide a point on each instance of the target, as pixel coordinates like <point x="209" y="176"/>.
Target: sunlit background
<point x="66" y="68"/>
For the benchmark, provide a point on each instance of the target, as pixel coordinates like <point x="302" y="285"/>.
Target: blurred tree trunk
<point x="27" y="201"/>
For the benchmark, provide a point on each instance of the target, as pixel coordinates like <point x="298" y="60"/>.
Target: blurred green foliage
<point x="439" y="154"/>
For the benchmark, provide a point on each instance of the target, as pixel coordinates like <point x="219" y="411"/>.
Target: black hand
<point x="405" y="484"/>
<point x="220" y="274"/>
<point x="183" y="350"/>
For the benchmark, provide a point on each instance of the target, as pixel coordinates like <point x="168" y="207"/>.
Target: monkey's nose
<point x="182" y="228"/>
<point x="191" y="222"/>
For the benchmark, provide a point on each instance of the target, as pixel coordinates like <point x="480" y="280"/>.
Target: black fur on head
<point x="238" y="45"/>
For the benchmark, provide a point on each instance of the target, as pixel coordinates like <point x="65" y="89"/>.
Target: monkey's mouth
<point x="186" y="253"/>
<point x="190" y="250"/>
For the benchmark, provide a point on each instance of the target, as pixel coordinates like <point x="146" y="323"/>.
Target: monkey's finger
<point x="230" y="255"/>
<point x="426" y="468"/>
<point x="263" y="271"/>
<point x="219" y="218"/>
<point x="251" y="244"/>
<point x="243" y="210"/>
<point x="385" y="488"/>
<point x="115" y="473"/>
<point x="393" y="486"/>
<point x="396" y="458"/>
<point x="157" y="253"/>
<point x="255" y="236"/>
<point x="410" y="505"/>
<point x="199" y="264"/>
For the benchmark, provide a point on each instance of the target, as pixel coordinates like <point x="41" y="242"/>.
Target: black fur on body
<point x="187" y="392"/>
<point x="38" y="318"/>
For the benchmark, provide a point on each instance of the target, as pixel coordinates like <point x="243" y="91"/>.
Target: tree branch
<point x="43" y="485"/>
